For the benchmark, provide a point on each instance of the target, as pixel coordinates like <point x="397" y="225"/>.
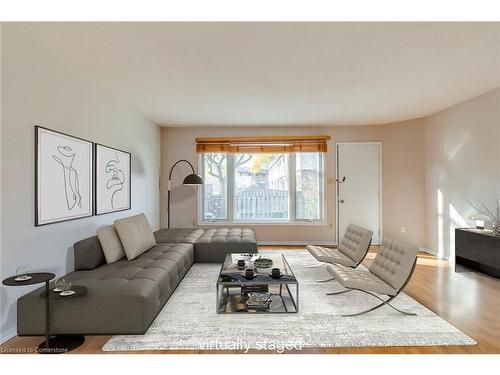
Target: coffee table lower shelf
<point x="284" y="300"/>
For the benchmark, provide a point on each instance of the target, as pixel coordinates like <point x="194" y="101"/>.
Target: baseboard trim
<point x="297" y="243"/>
<point x="6" y="336"/>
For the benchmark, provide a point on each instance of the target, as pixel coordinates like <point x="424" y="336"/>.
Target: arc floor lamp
<point x="190" y="179"/>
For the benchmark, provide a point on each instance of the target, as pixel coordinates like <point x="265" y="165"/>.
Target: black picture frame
<point x="97" y="183"/>
<point x="39" y="179"/>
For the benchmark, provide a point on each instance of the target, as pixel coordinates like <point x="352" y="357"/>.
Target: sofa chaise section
<point x="212" y="245"/>
<point x="178" y="235"/>
<point x="122" y="297"/>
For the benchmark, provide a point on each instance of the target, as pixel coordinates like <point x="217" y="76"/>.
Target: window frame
<point x="292" y="199"/>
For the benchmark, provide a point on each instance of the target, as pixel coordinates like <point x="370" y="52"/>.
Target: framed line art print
<point x="112" y="180"/>
<point x="63" y="177"/>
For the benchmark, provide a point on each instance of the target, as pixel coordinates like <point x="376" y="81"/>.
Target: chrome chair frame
<point x="384" y="302"/>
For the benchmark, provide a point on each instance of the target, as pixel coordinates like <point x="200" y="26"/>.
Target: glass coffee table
<point x="261" y="294"/>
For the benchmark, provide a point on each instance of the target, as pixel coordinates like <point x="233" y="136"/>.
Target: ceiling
<point x="185" y="74"/>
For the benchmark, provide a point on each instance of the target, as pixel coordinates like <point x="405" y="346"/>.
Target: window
<point x="260" y="187"/>
<point x="267" y="187"/>
<point x="215" y="186"/>
<point x="308" y="182"/>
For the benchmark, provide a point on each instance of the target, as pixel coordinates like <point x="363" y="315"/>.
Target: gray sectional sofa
<point x="211" y="245"/>
<point x="124" y="297"/>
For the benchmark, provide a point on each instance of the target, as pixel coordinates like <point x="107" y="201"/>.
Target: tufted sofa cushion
<point x="233" y="235"/>
<point x="178" y="235"/>
<point x="213" y="245"/>
<point x="394" y="262"/>
<point x="122" y="298"/>
<point x="355" y="242"/>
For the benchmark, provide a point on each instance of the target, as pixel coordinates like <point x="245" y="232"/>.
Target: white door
<point x="358" y="187"/>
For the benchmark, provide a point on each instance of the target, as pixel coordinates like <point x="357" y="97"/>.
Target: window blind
<point x="274" y="144"/>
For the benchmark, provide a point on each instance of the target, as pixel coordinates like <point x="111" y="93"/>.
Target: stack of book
<point x="259" y="301"/>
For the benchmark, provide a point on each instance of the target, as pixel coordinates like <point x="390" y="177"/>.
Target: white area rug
<point x="189" y="320"/>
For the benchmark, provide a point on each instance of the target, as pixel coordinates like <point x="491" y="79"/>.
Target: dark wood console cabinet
<point x="478" y="250"/>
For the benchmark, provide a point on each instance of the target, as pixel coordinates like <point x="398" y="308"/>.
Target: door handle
<point x="341" y="201"/>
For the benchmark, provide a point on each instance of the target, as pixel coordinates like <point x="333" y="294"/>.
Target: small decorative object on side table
<point x="483" y="212"/>
<point x="55" y="344"/>
<point x="479" y="220"/>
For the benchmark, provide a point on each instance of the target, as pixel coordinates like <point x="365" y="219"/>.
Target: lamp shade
<point x="193" y="179"/>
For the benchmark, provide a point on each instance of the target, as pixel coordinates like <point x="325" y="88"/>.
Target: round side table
<point x="59" y="343"/>
<point x="37" y="278"/>
<point x="66" y="343"/>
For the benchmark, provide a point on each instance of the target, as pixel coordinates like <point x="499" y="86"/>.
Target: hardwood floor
<point x="466" y="299"/>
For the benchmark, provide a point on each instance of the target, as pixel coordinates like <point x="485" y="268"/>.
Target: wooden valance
<point x="256" y="145"/>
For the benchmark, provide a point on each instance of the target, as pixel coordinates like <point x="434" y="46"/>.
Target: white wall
<point x="403" y="184"/>
<point x="36" y="89"/>
<point x="462" y="162"/>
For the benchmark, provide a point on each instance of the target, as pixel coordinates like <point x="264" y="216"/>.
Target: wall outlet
<point x="330" y="225"/>
<point x="403" y="229"/>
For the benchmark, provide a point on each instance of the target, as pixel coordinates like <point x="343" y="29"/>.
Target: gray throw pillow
<point x="110" y="243"/>
<point x="135" y="234"/>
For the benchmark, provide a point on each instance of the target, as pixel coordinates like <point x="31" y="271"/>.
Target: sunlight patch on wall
<point x="456" y="221"/>
<point x="440" y="224"/>
<point x="455" y="147"/>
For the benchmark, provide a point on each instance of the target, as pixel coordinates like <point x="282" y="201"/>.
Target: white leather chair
<point x="350" y="252"/>
<point x="389" y="274"/>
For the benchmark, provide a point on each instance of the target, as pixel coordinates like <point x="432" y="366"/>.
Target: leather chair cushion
<point x="324" y="254"/>
<point x="359" y="279"/>
<point x="355" y="242"/>
<point x="394" y="262"/>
